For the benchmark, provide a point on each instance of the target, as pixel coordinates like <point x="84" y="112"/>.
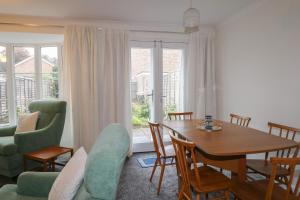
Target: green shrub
<point x="140" y="114"/>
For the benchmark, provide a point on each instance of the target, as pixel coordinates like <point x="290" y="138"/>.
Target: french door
<point x="156" y="86"/>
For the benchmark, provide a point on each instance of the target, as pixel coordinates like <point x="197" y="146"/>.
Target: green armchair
<point x="48" y="132"/>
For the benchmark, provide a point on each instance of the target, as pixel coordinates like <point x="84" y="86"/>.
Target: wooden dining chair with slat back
<point x="180" y="115"/>
<point x="264" y="167"/>
<point x="240" y="120"/>
<point x="163" y="152"/>
<point x="202" y="180"/>
<point x="269" y="189"/>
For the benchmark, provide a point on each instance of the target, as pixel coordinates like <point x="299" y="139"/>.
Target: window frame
<point x="10" y="74"/>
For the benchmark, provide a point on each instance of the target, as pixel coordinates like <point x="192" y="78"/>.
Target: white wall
<point x="258" y="64"/>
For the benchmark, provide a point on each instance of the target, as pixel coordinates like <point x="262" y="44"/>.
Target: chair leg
<point x="180" y="195"/>
<point x="198" y="196"/>
<point x="154" y="168"/>
<point x="227" y="196"/>
<point x="161" y="176"/>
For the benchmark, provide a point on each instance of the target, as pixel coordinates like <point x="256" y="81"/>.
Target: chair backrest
<point x="47" y="110"/>
<point x="52" y="114"/>
<point x="284" y="132"/>
<point x="239" y="120"/>
<point x="180" y="115"/>
<point x="291" y="163"/>
<point x="181" y="147"/>
<point x="157" y="139"/>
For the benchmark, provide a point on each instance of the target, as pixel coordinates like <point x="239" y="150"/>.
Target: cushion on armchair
<point x="27" y="122"/>
<point x="7" y="146"/>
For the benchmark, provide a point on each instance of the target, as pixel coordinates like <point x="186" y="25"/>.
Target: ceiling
<point x="141" y="11"/>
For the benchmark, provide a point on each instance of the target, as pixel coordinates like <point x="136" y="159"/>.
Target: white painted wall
<point x="258" y="64"/>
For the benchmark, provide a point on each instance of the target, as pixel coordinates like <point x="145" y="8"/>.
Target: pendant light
<point x="191" y="19"/>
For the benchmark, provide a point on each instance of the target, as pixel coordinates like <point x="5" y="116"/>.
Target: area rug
<point x="150" y="161"/>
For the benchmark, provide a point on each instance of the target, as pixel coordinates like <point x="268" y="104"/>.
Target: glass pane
<point x="141" y="92"/>
<point x="49" y="72"/>
<point x="25" y="79"/>
<point x="3" y="87"/>
<point x="172" y="67"/>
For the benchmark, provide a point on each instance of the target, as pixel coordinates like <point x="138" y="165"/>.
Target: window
<point x="3" y="87"/>
<point x="49" y="72"/>
<point x="25" y="77"/>
<point x="33" y="71"/>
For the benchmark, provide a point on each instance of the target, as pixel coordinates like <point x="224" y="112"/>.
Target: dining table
<point x="228" y="147"/>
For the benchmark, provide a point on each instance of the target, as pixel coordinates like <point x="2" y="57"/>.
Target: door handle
<point x="151" y="94"/>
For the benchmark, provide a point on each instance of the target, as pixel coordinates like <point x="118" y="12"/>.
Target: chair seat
<point x="265" y="167"/>
<point x="210" y="180"/>
<point x="7" y="146"/>
<point x="257" y="190"/>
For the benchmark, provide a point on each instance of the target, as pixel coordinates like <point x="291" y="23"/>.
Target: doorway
<point x="156" y="86"/>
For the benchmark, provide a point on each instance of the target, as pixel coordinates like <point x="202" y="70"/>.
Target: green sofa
<point x="102" y="171"/>
<point x="49" y="127"/>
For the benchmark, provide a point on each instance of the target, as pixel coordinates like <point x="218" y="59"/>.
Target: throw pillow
<point x="70" y="178"/>
<point x="27" y="122"/>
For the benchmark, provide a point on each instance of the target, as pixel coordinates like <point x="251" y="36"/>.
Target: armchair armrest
<point x="7" y="131"/>
<point x="37" y="184"/>
<point x="37" y="139"/>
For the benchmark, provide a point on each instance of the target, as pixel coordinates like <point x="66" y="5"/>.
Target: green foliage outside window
<point x="140" y="114"/>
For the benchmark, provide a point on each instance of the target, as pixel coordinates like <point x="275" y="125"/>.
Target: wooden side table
<point x="46" y="156"/>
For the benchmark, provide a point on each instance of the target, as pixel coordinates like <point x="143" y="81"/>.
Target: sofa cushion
<point x="7" y="146"/>
<point x="105" y="162"/>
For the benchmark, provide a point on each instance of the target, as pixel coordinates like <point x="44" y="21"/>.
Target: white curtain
<point x="96" y="80"/>
<point x="199" y="76"/>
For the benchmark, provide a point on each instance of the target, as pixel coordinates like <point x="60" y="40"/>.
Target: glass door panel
<point x="172" y="80"/>
<point x="141" y="85"/>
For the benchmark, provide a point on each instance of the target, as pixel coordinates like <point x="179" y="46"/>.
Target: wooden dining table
<point x="228" y="147"/>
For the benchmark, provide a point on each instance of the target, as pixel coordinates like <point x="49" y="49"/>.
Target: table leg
<point x="45" y="166"/>
<point x="242" y="170"/>
<point x="53" y="165"/>
<point x="24" y="164"/>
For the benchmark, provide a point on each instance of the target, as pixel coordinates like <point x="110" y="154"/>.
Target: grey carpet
<point x="135" y="184"/>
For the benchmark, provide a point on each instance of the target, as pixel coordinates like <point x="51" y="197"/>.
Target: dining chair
<point x="202" y="180"/>
<point x="269" y="189"/>
<point x="263" y="166"/>
<point x="163" y="153"/>
<point x="239" y="120"/>
<point x="180" y="115"/>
